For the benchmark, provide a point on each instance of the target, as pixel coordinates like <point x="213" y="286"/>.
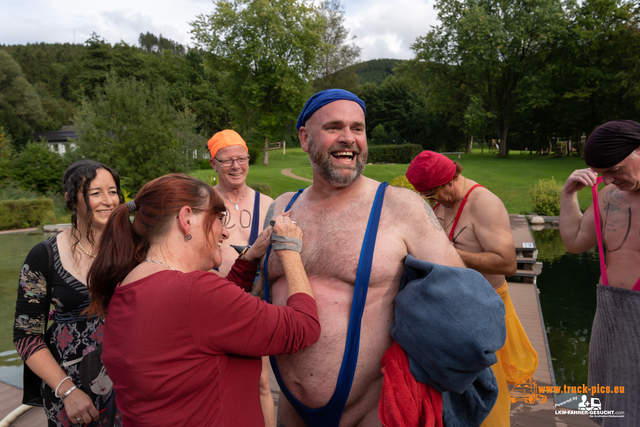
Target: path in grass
<point x="287" y="172"/>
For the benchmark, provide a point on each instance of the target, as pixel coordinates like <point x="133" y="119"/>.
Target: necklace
<point x="464" y="187"/>
<point x="73" y="234"/>
<point x="235" y="203"/>
<point x="160" y="262"/>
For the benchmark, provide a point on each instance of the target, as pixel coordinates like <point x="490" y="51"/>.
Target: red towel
<point x="404" y="402"/>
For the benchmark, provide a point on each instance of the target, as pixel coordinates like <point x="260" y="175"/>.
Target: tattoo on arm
<point x="269" y="216"/>
<point x="432" y="216"/>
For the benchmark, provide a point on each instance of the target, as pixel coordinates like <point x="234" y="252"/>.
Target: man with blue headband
<point x="612" y="223"/>
<point x="355" y="274"/>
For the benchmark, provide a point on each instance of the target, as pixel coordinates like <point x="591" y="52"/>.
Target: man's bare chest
<point x="332" y="245"/>
<point x="459" y="228"/>
<point x="621" y="221"/>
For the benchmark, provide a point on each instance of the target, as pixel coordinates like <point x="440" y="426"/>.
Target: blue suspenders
<point x="255" y="225"/>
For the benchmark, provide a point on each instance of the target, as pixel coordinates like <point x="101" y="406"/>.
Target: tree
<point x="486" y="49"/>
<point x="39" y="168"/>
<point x="597" y="72"/>
<point x="336" y="64"/>
<point x="96" y="65"/>
<point x="148" y="41"/>
<point x="132" y="127"/>
<point x="20" y="106"/>
<point x="268" y="51"/>
<point x="400" y="105"/>
<point x="6" y="152"/>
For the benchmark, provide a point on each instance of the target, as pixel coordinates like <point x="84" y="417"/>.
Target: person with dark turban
<point x="612" y="221"/>
<point x="477" y="223"/>
<point x="344" y="216"/>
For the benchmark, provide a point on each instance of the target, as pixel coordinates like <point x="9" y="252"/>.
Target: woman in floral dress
<point x="75" y="388"/>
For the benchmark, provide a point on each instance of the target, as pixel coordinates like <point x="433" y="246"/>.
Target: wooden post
<point x="284" y="144"/>
<point x="265" y="155"/>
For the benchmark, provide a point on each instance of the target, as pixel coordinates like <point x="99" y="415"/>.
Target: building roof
<point x="67" y="133"/>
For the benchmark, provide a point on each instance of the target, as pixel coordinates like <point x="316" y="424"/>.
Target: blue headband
<point x="323" y="98"/>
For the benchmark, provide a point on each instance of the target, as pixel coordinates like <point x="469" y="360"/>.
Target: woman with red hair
<point x="181" y="344"/>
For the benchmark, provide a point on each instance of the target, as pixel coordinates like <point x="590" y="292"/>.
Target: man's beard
<point x="331" y="172"/>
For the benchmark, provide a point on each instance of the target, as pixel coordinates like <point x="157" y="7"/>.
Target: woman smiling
<point x="55" y="271"/>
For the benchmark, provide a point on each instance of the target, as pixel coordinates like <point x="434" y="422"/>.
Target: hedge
<point x="402" y="154"/>
<point x="25" y="213"/>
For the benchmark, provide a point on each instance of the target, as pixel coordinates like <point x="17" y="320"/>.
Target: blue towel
<point x="450" y="321"/>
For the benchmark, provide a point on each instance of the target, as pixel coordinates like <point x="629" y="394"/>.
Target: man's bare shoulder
<point x="411" y="208"/>
<point x="284" y="198"/>
<point x="265" y="199"/>
<point x="400" y="197"/>
<point x="482" y="198"/>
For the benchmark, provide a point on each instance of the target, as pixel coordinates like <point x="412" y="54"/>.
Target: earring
<point x="188" y="237"/>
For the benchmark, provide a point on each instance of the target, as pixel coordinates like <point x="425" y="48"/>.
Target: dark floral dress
<point x="71" y="337"/>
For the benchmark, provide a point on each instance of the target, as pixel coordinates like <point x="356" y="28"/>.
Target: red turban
<point x="429" y="170"/>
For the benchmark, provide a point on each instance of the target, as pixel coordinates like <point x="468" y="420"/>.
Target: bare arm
<point x="492" y="228"/>
<point x="577" y="230"/>
<point x="295" y="274"/>
<point x="423" y="233"/>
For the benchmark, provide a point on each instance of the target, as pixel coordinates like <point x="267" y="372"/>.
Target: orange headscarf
<point x="225" y="138"/>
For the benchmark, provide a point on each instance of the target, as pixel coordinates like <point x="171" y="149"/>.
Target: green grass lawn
<point x="510" y="179"/>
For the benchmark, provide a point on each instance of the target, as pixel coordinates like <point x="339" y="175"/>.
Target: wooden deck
<point x="527" y="304"/>
<point x="10" y="399"/>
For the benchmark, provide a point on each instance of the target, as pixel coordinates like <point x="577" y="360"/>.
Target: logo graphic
<point x="585" y="405"/>
<point x="526" y="390"/>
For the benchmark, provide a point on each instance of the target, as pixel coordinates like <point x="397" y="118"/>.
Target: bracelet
<point x="55" y="393"/>
<point x="68" y="392"/>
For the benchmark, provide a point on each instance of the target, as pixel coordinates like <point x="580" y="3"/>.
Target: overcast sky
<point x="384" y="29"/>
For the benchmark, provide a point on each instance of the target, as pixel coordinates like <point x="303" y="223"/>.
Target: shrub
<point x="403" y="182"/>
<point x="25" y="213"/>
<point x="203" y="164"/>
<point x="10" y="189"/>
<point x="261" y="188"/>
<point x="393" y="153"/>
<point x="38" y="168"/>
<point x="545" y="197"/>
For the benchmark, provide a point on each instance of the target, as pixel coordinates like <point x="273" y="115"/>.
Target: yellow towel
<point x="516" y="360"/>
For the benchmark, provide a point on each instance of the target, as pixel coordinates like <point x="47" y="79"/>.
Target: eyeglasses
<point x="240" y="160"/>
<point x="432" y="197"/>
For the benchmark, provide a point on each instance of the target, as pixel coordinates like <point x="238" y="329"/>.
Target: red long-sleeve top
<point x="183" y="349"/>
